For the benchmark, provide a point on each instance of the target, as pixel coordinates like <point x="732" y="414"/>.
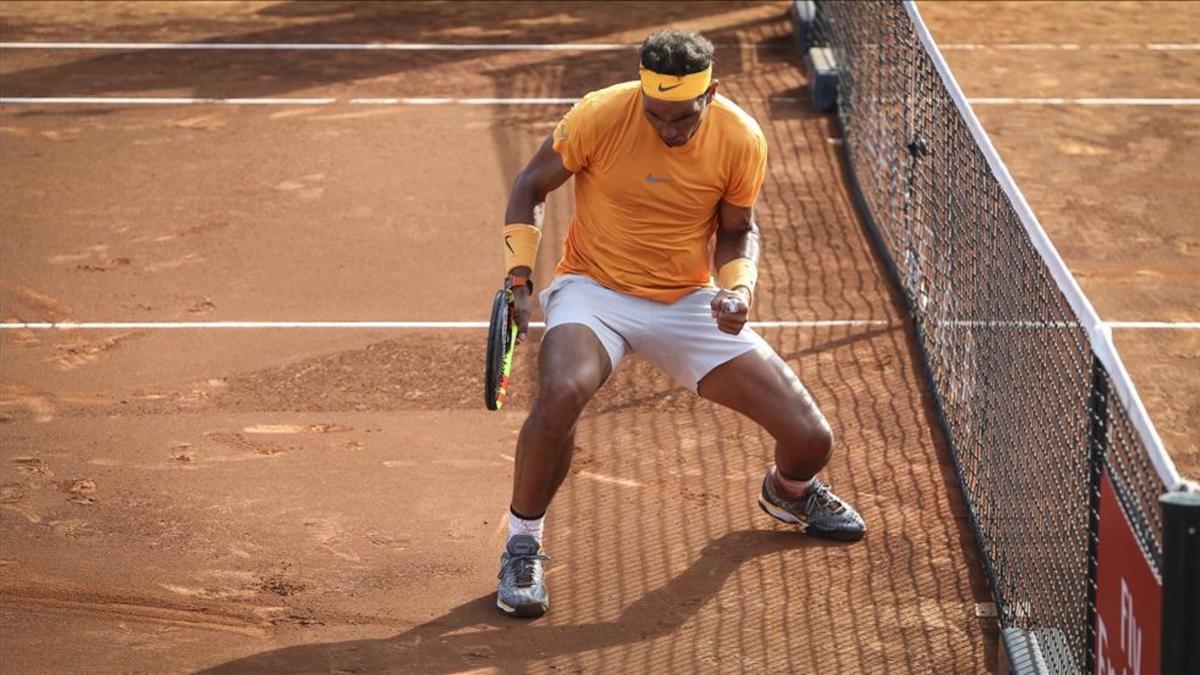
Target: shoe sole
<point x="807" y="528"/>
<point x="524" y="611"/>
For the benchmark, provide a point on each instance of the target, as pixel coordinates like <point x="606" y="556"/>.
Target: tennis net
<point x="1031" y="394"/>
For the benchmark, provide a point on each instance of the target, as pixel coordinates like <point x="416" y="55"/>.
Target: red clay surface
<point x="333" y="500"/>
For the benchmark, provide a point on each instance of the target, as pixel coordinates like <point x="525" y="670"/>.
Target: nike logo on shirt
<point x="651" y="178"/>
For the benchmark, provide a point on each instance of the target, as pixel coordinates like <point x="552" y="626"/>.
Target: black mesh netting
<point x="1024" y="402"/>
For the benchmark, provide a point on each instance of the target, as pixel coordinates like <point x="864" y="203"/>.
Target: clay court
<point x="333" y="498"/>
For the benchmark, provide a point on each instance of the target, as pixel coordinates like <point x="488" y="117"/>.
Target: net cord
<point x="1099" y="334"/>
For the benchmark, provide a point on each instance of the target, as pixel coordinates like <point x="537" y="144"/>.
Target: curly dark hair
<point x="676" y="52"/>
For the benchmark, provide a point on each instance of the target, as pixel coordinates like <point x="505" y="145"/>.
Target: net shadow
<point x="1016" y="384"/>
<point x="662" y="560"/>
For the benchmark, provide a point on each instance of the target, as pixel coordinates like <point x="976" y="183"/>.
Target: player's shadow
<point x="474" y="634"/>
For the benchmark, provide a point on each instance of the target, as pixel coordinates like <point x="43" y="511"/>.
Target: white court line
<point x="156" y="100"/>
<point x="328" y="46"/>
<point x="1154" y="325"/>
<point x="462" y="101"/>
<point x="623" y="482"/>
<point x="1070" y="46"/>
<point x="823" y="323"/>
<point x="149" y="100"/>
<point x="139" y="100"/>
<point x="1085" y="101"/>
<point x="168" y="325"/>
<point x="526" y="46"/>
<point x="1164" y="325"/>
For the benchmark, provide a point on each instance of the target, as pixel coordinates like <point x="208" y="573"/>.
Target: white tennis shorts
<point x="681" y="338"/>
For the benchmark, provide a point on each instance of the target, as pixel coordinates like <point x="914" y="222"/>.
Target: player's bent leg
<point x="761" y="386"/>
<point x="574" y="364"/>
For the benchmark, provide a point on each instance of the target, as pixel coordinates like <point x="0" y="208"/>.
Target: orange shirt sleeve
<point x="747" y="173"/>
<point x="574" y="137"/>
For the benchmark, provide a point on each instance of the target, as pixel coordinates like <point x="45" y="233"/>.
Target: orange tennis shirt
<point x="645" y="212"/>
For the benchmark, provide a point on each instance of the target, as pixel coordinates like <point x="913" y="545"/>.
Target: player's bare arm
<point x="542" y="175"/>
<point x="737" y="239"/>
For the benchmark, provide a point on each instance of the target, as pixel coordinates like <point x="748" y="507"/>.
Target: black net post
<point x="1181" y="582"/>
<point x="804" y="15"/>
<point x="1097" y="449"/>
<point x="913" y="271"/>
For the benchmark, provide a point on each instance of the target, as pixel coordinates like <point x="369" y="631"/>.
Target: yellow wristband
<point x="520" y="246"/>
<point x="738" y="272"/>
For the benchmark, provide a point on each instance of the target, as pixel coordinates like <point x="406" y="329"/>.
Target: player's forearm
<point x="542" y="175"/>
<point x="733" y="244"/>
<point x="736" y="256"/>
<point x="524" y="201"/>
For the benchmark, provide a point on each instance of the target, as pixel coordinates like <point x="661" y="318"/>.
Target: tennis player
<point x="662" y="166"/>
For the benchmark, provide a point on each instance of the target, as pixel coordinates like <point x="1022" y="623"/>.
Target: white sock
<point x="518" y="525"/>
<point x="786" y="487"/>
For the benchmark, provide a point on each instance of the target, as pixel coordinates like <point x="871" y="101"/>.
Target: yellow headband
<point x="675" y="87"/>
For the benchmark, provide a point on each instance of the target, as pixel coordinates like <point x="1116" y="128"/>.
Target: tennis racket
<point x="502" y="342"/>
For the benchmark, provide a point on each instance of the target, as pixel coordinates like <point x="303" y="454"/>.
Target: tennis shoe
<point x="522" y="591"/>
<point x="818" y="512"/>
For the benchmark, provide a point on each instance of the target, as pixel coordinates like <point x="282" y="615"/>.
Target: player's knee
<point x="562" y="398"/>
<point x="812" y="436"/>
<point x="822" y="440"/>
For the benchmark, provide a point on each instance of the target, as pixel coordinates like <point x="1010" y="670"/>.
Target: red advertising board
<point x="1128" y="596"/>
